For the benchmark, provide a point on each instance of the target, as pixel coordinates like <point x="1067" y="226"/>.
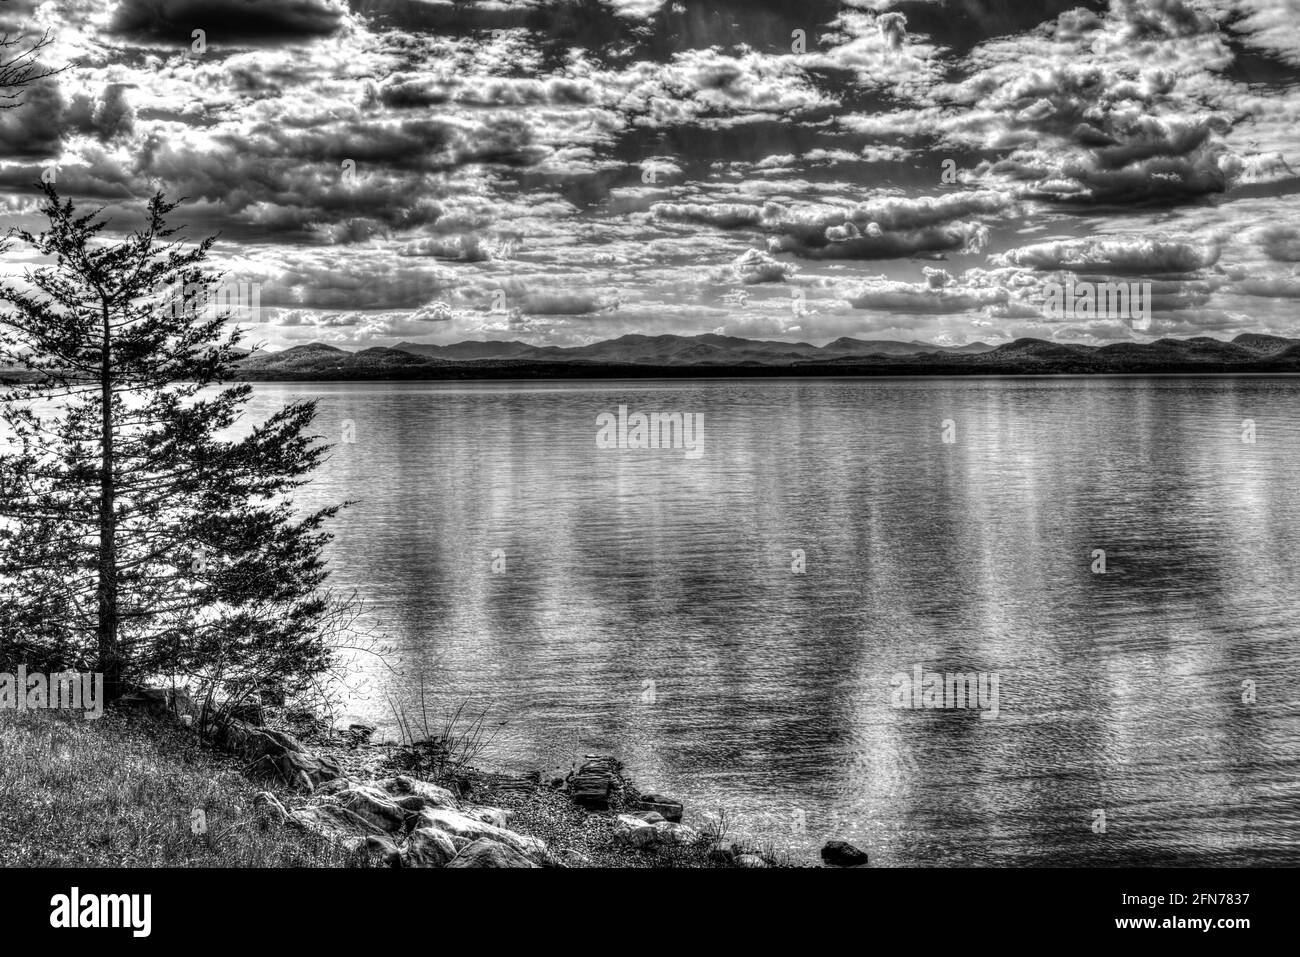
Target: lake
<point x="732" y="621"/>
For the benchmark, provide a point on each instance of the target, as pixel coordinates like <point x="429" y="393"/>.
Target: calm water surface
<point x="648" y="606"/>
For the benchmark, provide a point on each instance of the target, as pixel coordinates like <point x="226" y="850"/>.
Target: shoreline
<point x="256" y="795"/>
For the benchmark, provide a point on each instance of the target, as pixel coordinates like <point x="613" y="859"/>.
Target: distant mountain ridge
<point x="671" y="349"/>
<point x="712" y="354"/>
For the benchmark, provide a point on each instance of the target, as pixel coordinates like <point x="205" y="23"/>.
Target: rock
<point x="843" y="854"/>
<point x="276" y="753"/>
<point x="635" y="832"/>
<point x="185" y="706"/>
<point x="306" y="771"/>
<point x="724" y="852"/>
<point x="374" y="805"/>
<point x="382" y="851"/>
<point x="525" y="783"/>
<point x="488" y="853"/>
<point x="594" y="782"/>
<point x="153" y="700"/>
<point x="332" y="787"/>
<point x="426" y="794"/>
<point x="571" y="858"/>
<point x="428" y="847"/>
<point x="670" y="809"/>
<point x="159" y="702"/>
<point x="750" y="860"/>
<point x="671" y="833"/>
<point x="358" y="733"/>
<point x="335" y="822"/>
<point x="284" y="741"/>
<point x="459" y="824"/>
<point x="650" y="817"/>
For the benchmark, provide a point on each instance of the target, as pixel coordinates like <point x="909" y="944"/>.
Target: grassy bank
<point x="120" y="791"/>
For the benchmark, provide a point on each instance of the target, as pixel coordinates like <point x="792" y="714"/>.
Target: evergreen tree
<point x="137" y="536"/>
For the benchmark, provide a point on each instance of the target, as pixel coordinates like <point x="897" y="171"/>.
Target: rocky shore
<point x="363" y="797"/>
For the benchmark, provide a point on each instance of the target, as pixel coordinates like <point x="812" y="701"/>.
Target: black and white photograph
<point x="644" y="435"/>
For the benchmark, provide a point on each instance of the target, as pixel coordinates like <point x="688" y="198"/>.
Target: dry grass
<point x="441" y="750"/>
<point x="119" y="792"/>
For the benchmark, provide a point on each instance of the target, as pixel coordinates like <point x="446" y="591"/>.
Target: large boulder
<point x="843" y="854"/>
<point x="276" y="754"/>
<point x="374" y="805"/>
<point x="427" y="847"/>
<point x="300" y="769"/>
<point x="415" y="795"/>
<point x="458" y="824"/>
<point x="488" y="853"/>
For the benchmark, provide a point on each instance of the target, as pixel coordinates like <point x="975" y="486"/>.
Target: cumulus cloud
<point x="1148" y="256"/>
<point x="882" y="228"/>
<point x="755" y="266"/>
<point x="938" y="294"/>
<point x="608" y="170"/>
<point x="1280" y="243"/>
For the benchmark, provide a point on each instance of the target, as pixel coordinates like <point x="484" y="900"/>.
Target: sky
<point x="561" y="173"/>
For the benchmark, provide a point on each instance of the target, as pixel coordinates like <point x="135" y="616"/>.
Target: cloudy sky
<point x="561" y="172"/>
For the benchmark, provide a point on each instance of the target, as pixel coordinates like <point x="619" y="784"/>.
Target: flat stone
<point x="594" y="782"/>
<point x="670" y="809"/>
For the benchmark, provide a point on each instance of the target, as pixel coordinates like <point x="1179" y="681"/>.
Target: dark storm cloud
<point x="227" y="20"/>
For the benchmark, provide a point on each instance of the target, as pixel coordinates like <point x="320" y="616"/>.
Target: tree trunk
<point x="110" y="662"/>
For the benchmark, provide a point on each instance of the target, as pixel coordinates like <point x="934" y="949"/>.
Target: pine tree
<point x="136" y="536"/>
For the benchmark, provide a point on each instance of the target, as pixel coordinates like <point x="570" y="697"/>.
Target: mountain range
<point x="716" y="355"/>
